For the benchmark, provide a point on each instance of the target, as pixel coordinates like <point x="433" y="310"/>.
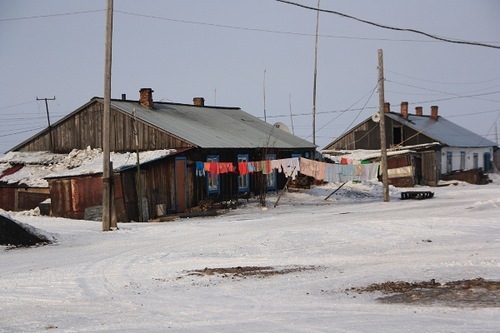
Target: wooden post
<point x="383" y="142"/>
<point x="106" y="171"/>
<point x="338" y="188"/>
<point x="51" y="138"/>
<point x="284" y="188"/>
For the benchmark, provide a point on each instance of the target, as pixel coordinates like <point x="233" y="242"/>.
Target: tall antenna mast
<point x="315" y="77"/>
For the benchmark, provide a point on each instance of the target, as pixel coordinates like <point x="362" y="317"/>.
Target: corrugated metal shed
<point x="213" y="127"/>
<point x="443" y="131"/>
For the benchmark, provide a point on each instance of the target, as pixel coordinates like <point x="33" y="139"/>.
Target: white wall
<point x="469" y="157"/>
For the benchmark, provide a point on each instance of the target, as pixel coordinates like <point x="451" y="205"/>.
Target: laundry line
<point x="291" y="167"/>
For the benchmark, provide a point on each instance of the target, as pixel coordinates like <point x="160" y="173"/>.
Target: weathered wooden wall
<point x="84" y="129"/>
<point x="367" y="136"/>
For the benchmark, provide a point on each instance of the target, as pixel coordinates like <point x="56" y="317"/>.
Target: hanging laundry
<point x="214" y="168"/>
<point x="332" y="172"/>
<point x="289" y="166"/>
<point x="225" y="167"/>
<point x="243" y="168"/>
<point x="200" y="169"/>
<point x="251" y="167"/>
<point x="312" y="168"/>
<point x="267" y="167"/>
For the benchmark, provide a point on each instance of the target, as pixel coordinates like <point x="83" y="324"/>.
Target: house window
<point x="213" y="180"/>
<point x="449" y="161"/>
<point x="243" y="180"/>
<point x="272" y="178"/>
<point x="462" y="160"/>
<point x="475" y="160"/>
<point x="397" y="135"/>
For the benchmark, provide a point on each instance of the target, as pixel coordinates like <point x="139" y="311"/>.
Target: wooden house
<point x="198" y="133"/>
<point x="439" y="147"/>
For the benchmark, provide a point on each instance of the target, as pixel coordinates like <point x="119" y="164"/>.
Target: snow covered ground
<point x="140" y="278"/>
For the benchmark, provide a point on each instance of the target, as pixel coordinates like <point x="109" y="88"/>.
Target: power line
<point x="281" y="32"/>
<point x="443" y="39"/>
<point x="442" y="82"/>
<point x="49" y="15"/>
<point x="448" y="93"/>
<point x="20" y="132"/>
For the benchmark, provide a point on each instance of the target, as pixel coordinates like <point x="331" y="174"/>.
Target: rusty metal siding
<point x="60" y="197"/>
<point x="86" y="192"/>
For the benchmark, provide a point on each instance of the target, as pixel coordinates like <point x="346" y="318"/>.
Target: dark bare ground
<point x="246" y="271"/>
<point x="462" y="293"/>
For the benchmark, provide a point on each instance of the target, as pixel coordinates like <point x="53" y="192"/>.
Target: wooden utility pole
<point x="315" y="77"/>
<point x="291" y="115"/>
<point x="138" y="186"/>
<point x="383" y="142"/>
<point x="51" y="138"/>
<point x="264" y="94"/>
<point x="106" y="167"/>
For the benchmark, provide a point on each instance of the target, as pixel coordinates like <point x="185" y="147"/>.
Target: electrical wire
<point x="50" y="15"/>
<point x="269" y="30"/>
<point x="443" y="39"/>
<point x="440" y="82"/>
<point x="475" y="96"/>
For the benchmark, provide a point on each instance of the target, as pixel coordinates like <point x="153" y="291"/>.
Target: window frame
<point x="243" y="180"/>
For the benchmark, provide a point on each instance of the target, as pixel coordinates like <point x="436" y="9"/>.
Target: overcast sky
<point x="236" y="52"/>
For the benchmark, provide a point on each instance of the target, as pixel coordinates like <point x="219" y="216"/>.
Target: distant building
<point x="457" y="150"/>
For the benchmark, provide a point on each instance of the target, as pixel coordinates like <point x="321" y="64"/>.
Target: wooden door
<point x="429" y="170"/>
<point x="180" y="184"/>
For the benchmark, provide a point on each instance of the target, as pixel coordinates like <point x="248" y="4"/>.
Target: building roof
<point x="33" y="168"/>
<point x="443" y="131"/>
<point x="212" y="127"/>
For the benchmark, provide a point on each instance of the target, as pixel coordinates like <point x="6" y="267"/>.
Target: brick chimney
<point x="387" y="107"/>
<point x="404" y="110"/>
<point x="199" y="101"/>
<point x="434" y="112"/>
<point x="146" y="97"/>
<point x="418" y="111"/>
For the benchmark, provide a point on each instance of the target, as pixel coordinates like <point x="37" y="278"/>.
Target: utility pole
<point x="51" y="143"/>
<point x="383" y="142"/>
<point x="106" y="168"/>
<point x="138" y="167"/>
<point x="291" y="116"/>
<point x="315" y="77"/>
<point x="264" y="93"/>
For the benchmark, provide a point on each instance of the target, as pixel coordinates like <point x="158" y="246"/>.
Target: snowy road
<point x="137" y="279"/>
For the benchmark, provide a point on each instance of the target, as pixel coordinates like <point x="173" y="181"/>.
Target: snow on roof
<point x="38" y="166"/>
<point x="365" y="154"/>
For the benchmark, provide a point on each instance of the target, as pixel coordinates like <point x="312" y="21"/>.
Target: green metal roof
<point x="212" y="127"/>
